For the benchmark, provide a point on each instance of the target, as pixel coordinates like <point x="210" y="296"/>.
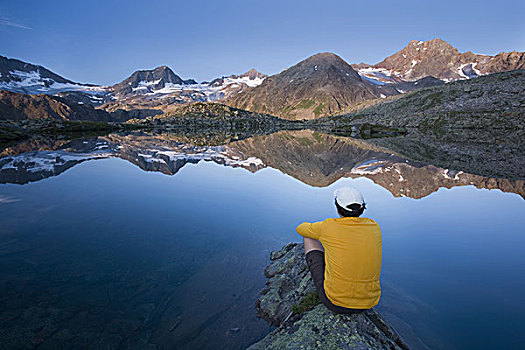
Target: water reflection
<point x="312" y="158"/>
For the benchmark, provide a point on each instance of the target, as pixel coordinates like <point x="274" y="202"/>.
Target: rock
<point x="289" y="281"/>
<point x="319" y="328"/>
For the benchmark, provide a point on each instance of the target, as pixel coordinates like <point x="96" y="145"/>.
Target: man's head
<point x="349" y="202"/>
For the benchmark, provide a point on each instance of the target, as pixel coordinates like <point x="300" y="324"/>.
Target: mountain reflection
<point x="313" y="158"/>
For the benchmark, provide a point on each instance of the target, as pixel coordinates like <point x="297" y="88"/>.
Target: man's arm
<point x="310" y="230"/>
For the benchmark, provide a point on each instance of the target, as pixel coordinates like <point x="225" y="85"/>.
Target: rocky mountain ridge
<point x="439" y="59"/>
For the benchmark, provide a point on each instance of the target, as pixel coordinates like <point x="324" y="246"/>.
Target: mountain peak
<point x="162" y="68"/>
<point x="430" y="45"/>
<point x="435" y="41"/>
<point x="253" y="74"/>
<point x="324" y="65"/>
<point x="423" y="58"/>
<point x="324" y="56"/>
<point x="144" y="81"/>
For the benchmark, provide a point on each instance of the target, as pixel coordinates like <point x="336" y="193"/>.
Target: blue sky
<point x="103" y="42"/>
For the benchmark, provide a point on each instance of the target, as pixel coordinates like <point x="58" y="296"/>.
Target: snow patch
<point x="378" y="76"/>
<point x="370" y="167"/>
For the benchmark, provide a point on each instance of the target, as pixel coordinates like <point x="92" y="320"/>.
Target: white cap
<point x="348" y="195"/>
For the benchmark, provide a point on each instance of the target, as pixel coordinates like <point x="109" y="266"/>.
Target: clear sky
<point x="104" y="41"/>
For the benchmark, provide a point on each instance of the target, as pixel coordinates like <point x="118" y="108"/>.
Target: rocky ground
<point x="208" y="117"/>
<point x="314" y="327"/>
<point x="490" y="102"/>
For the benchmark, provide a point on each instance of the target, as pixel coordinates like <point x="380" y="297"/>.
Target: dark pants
<point x="316" y="264"/>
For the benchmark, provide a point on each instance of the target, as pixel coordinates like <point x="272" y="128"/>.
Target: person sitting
<point x="344" y="255"/>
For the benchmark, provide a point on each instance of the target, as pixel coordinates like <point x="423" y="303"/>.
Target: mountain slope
<point x="16" y="106"/>
<point x="320" y="85"/>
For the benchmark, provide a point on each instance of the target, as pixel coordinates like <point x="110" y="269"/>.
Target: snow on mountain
<point x="379" y="76"/>
<point x="22" y="77"/>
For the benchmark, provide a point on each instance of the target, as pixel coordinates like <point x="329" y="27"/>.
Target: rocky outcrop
<point x="288" y="283"/>
<point x="37" y="129"/>
<point x="213" y="117"/>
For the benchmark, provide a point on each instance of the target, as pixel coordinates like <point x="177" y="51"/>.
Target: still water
<point x="103" y="254"/>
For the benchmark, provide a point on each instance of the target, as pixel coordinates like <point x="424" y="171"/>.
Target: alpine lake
<point x="158" y="240"/>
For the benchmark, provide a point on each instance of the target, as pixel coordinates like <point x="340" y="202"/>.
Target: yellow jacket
<point x="353" y="259"/>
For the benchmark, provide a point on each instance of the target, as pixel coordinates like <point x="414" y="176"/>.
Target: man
<point x="350" y="248"/>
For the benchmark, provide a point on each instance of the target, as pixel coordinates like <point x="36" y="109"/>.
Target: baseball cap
<point x="345" y="196"/>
